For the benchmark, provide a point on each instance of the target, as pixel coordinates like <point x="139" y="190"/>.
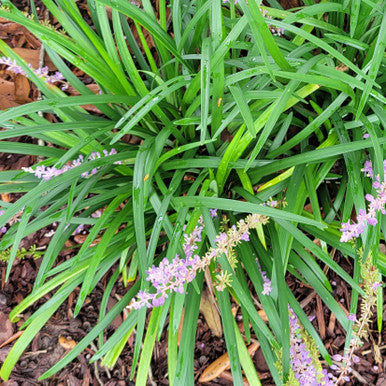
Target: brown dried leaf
<point x="32" y="56"/>
<point x="6" y="95"/>
<point x="221" y="364"/>
<point x="320" y="317"/>
<point x="11" y="339"/>
<point x="263" y="315"/>
<point x="5" y="197"/>
<point x="180" y="327"/>
<point x="331" y="324"/>
<point x="80" y="239"/>
<point x="228" y="376"/>
<point x="211" y="314"/>
<point x="67" y="344"/>
<point x="22" y="89"/>
<point x="6" y="103"/>
<point x="94" y="88"/>
<point x="10" y="28"/>
<point x="6" y="330"/>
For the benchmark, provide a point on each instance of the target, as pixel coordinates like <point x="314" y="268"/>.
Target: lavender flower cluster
<point x="370" y="276"/>
<point x="46" y="172"/>
<point x="267" y="284"/>
<point x="301" y="358"/>
<point x="376" y="204"/>
<point x="3" y="229"/>
<point x="42" y="72"/>
<point x="171" y="276"/>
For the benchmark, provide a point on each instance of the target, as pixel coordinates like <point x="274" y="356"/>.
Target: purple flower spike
<point x="376" y="204"/>
<point x="46" y="172"/>
<point x="40" y="72"/>
<point x="170" y="276"/>
<point x="301" y="359"/>
<point x="267" y="287"/>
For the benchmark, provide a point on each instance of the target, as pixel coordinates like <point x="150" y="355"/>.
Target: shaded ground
<point x="63" y="331"/>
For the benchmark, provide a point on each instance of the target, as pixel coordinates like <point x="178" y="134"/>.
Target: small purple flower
<point x="267" y="288"/>
<point x="245" y="236"/>
<point x="376" y="204"/>
<point x="46" y="172"/>
<point x="40" y="72"/>
<point x="352" y="317"/>
<point x="213" y="213"/>
<point x="158" y="301"/>
<point x="356" y="359"/>
<point x="365" y="136"/>
<point x="337" y="357"/>
<point x="267" y="285"/>
<point x="97" y="214"/>
<point x="78" y="230"/>
<point x="375" y="286"/>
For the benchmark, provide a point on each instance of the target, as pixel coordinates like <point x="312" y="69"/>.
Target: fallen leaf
<point x="67" y="344"/>
<point x="10" y="28"/>
<point x="211" y="314"/>
<point x="80" y="239"/>
<point x="331" y="324"/>
<point x="228" y="376"/>
<point x="12" y="338"/>
<point x="6" y="95"/>
<point x="6" y="330"/>
<point x="320" y="317"/>
<point x="94" y="88"/>
<point x="32" y="56"/>
<point x="22" y="89"/>
<point x="5" y="197"/>
<point x="263" y="315"/>
<point x="180" y="327"/>
<point x="221" y="364"/>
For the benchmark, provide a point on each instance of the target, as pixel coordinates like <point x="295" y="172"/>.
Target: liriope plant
<point x="232" y="105"/>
